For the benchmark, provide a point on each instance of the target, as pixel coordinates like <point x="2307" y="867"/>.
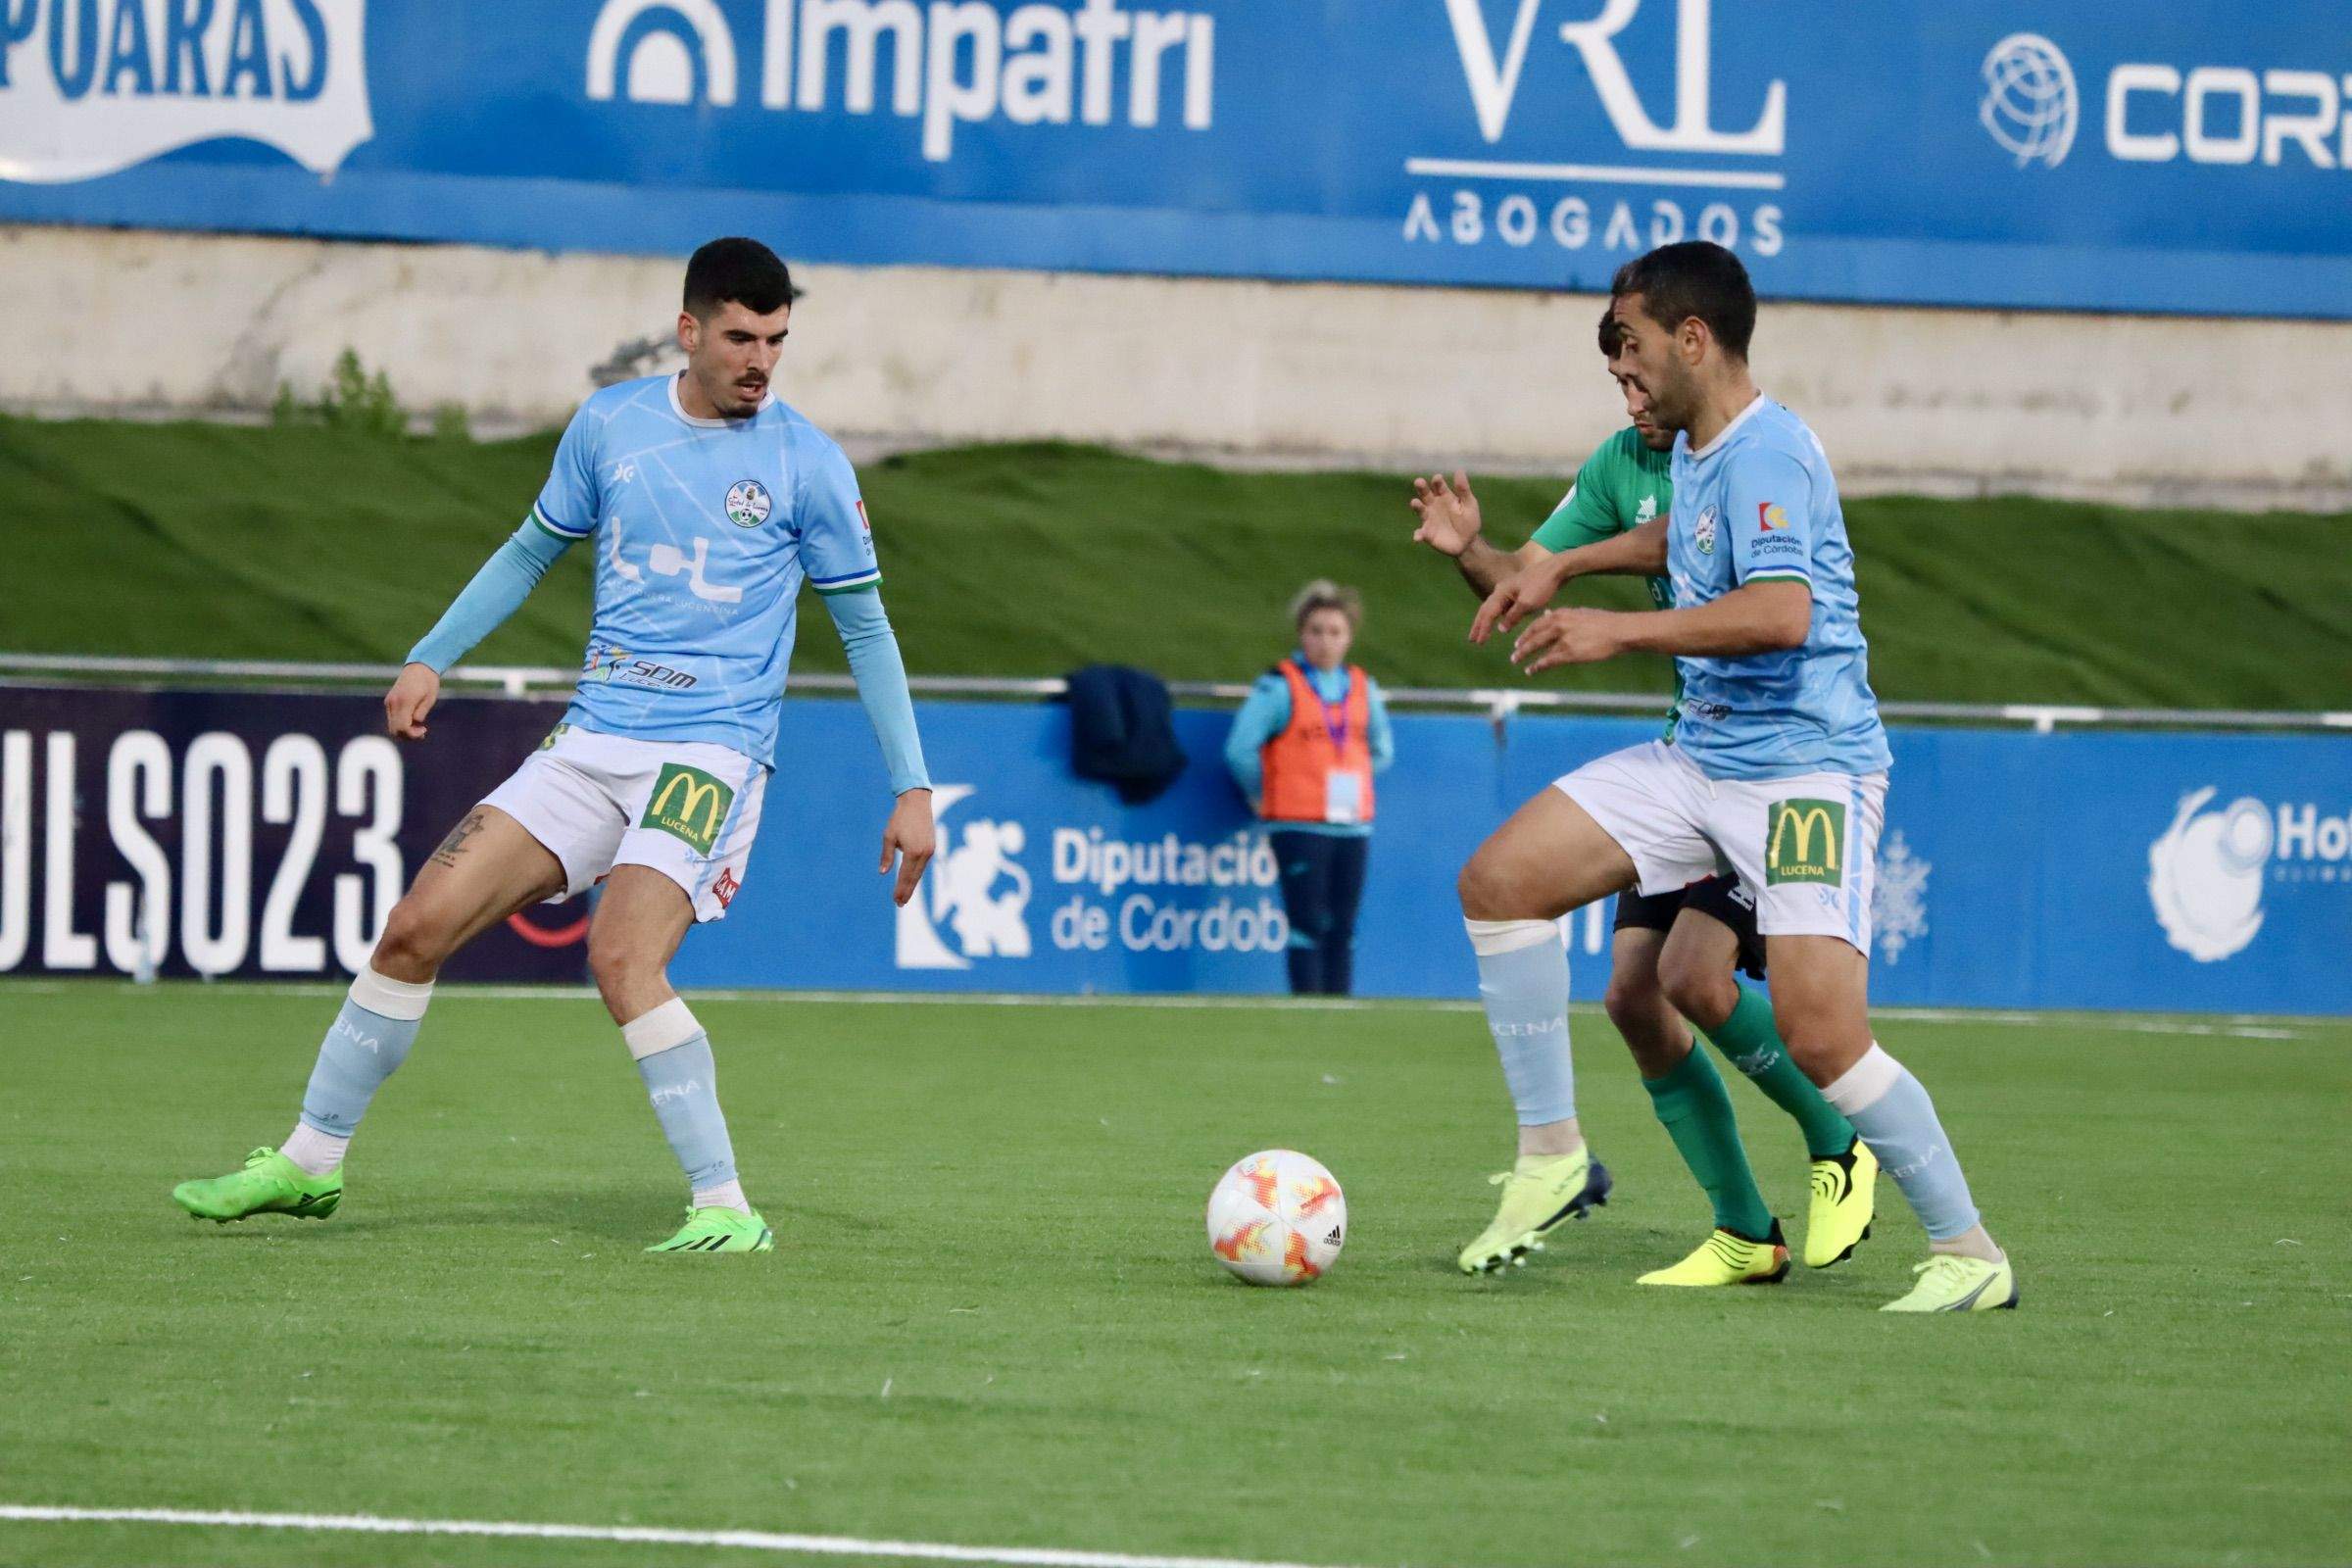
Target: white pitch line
<point x="2121" y="1022"/>
<point x="735" y="1539"/>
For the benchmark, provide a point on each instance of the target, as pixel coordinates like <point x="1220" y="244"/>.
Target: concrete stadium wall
<point x="2143" y="409"/>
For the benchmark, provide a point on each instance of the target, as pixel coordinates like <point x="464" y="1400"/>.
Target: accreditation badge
<point x="1342" y="797"/>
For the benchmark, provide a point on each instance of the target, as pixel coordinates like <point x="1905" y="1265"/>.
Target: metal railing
<point x="520" y="680"/>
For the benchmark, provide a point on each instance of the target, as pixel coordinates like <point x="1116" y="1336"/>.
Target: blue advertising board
<point x="261" y="834"/>
<point x="2013" y="153"/>
<point x="2196" y="872"/>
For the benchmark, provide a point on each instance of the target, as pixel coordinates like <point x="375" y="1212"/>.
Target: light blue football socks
<point x="1523" y="979"/>
<point x="681" y="1078"/>
<point x="368" y="1041"/>
<point x="1894" y="1117"/>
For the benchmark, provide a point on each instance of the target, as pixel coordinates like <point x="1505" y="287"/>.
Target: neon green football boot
<point x="1948" y="1283"/>
<point x="719" y="1229"/>
<point x="1844" y="1195"/>
<point x="1536" y="1202"/>
<point x="1727" y="1257"/>
<point x="270" y="1184"/>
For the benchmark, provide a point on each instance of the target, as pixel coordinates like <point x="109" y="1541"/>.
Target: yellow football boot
<point x="1844" y="1196"/>
<point x="1726" y="1257"/>
<point x="1949" y="1283"/>
<point x="1538" y="1198"/>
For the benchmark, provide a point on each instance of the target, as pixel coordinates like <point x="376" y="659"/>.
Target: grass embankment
<point x="305" y="543"/>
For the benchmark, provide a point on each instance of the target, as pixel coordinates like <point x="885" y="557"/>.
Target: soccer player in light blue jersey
<point x="1778" y="768"/>
<point x="708" y="503"/>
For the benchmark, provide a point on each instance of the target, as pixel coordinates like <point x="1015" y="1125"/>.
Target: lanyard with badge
<point x="1342" y="787"/>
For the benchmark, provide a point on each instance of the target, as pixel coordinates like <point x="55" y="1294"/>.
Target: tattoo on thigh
<point x="455" y="845"/>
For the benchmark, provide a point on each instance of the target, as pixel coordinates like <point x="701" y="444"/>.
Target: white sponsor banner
<point x="88" y="87"/>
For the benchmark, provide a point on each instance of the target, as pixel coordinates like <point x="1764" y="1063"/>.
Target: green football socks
<point x="1753" y="1046"/>
<point x="1697" y="1113"/>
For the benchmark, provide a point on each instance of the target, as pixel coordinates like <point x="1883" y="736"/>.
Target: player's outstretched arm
<point x="1451" y="525"/>
<point x="1767" y="616"/>
<point x="506" y="580"/>
<point x="1638" y="553"/>
<point x="880" y="672"/>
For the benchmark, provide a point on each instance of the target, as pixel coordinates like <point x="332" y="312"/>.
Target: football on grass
<point x="1277" y="1218"/>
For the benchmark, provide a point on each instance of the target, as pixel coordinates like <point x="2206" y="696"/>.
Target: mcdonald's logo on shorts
<point x="689" y="804"/>
<point x="1803" y="840"/>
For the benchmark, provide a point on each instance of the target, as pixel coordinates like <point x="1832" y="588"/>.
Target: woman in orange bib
<point x="1303" y="749"/>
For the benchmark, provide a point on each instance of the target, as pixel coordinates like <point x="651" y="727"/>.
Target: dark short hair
<point x="740" y="270"/>
<point x="1612" y="336"/>
<point x="1696" y="278"/>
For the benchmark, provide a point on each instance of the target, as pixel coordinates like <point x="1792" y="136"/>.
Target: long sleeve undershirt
<point x="880" y="672"/>
<point x="497" y="591"/>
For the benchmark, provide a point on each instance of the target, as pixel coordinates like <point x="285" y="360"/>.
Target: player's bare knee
<point x="1632" y="1001"/>
<point x="413" y="943"/>
<point x="1704" y="992"/>
<point x="1645" y="1021"/>
<point x="1491" y="890"/>
<point x="1472" y="887"/>
<point x="615" y="963"/>
<point x="1821" y="1041"/>
<point x="1812" y="1056"/>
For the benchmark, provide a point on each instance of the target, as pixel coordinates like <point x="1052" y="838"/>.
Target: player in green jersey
<point x="1674" y="955"/>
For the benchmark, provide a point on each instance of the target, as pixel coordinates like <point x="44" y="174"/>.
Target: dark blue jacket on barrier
<point x="1123" y="731"/>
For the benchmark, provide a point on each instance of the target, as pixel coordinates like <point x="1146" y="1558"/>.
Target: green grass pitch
<point x="992" y="1318"/>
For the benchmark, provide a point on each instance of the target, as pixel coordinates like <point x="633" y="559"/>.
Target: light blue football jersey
<point x="1757" y="503"/>
<point x="704" y="531"/>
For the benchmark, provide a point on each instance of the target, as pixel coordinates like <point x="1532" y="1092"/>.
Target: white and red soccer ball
<point x="1277" y="1218"/>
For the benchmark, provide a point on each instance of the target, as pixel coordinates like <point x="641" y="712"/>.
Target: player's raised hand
<point x="1522" y="594"/>
<point x="910" y="836"/>
<point x="411" y="698"/>
<point x="1567" y="637"/>
<point x="1449" y="518"/>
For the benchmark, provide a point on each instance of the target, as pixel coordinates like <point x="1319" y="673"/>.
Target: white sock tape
<point x="671" y="1024"/>
<point x="1490" y="937"/>
<point x="403" y="999"/>
<point x="1865" y="1083"/>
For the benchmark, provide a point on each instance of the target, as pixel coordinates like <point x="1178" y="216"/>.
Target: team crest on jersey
<point x="747" y="504"/>
<point x="1648" y="509"/>
<point x="1704" y="533"/>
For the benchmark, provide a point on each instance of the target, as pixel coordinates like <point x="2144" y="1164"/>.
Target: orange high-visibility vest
<point x="1321" y="740"/>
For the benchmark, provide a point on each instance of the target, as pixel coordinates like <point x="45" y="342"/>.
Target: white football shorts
<point x="688" y="809"/>
<point x="1806" y="847"/>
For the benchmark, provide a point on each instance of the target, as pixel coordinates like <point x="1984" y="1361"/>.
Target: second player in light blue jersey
<point x="1762" y="507"/>
<point x="1675" y="956"/>
<point x="1778" y="768"/>
<point x="709" y="506"/>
